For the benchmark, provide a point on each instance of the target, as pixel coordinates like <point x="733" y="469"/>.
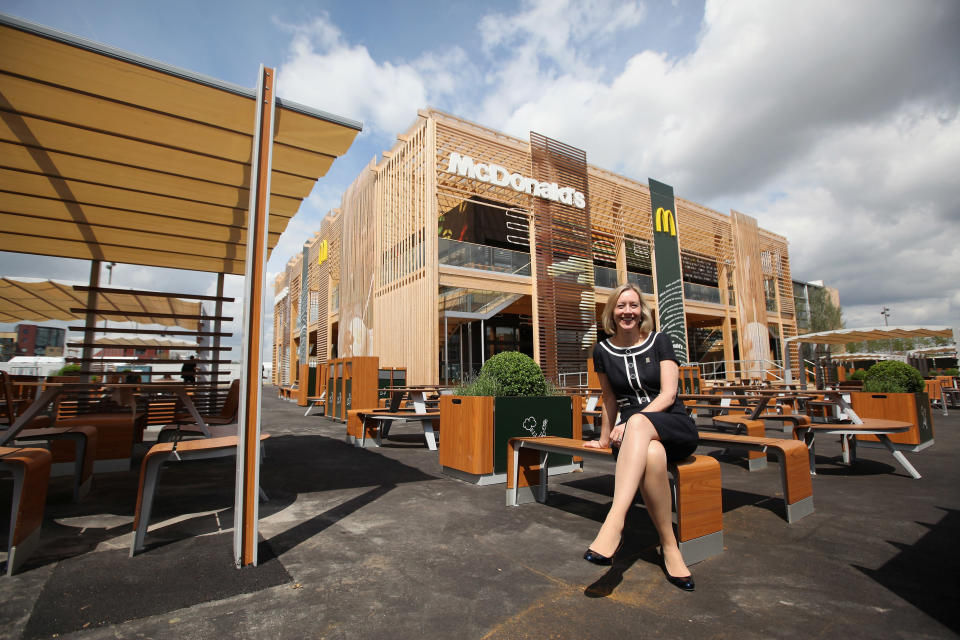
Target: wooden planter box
<point x="908" y="407"/>
<point x="475" y="430"/>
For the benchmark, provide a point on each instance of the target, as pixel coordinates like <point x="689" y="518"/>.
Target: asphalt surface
<point x="378" y="543"/>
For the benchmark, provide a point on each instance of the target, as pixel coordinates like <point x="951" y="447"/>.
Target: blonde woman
<point x="638" y="377"/>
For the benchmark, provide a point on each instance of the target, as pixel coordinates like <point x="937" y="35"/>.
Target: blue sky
<point x="834" y="124"/>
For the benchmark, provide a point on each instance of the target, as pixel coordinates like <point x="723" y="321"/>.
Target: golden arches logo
<point x="665" y="221"/>
<point x="324" y="252"/>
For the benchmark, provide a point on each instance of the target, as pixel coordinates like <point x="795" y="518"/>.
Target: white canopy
<point x="843" y="336"/>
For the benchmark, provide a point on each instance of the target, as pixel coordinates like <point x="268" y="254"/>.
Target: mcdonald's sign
<point x="324" y="253"/>
<point x="666" y="247"/>
<point x="665" y="222"/>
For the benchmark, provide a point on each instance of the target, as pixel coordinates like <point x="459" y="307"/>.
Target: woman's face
<point x="627" y="314"/>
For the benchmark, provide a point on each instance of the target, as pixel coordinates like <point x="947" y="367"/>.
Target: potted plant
<point x="509" y="398"/>
<point x="894" y="390"/>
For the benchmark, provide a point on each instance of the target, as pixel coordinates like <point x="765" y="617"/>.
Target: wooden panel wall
<point x="563" y="249"/>
<point x="751" y="301"/>
<point x="358" y="258"/>
<point x="405" y="322"/>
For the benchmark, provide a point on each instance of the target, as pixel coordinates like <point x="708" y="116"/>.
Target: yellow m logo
<point x="324" y="252"/>
<point x="665" y="222"/>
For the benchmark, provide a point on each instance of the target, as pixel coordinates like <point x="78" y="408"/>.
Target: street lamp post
<point x="885" y="312"/>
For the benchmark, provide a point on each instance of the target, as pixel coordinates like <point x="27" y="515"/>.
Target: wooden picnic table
<point x="52" y="392"/>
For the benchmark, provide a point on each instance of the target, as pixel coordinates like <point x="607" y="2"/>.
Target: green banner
<point x="666" y="250"/>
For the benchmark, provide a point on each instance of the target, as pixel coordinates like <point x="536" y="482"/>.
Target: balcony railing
<point x="605" y="277"/>
<point x="642" y="280"/>
<point x="701" y="293"/>
<point x="477" y="256"/>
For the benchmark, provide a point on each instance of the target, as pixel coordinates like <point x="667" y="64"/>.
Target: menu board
<point x="638" y="256"/>
<point x="699" y="269"/>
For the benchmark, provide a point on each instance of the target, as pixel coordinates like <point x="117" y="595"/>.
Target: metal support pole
<point x="483" y="344"/>
<point x="91" y="319"/>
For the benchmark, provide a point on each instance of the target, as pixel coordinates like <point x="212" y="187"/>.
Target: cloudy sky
<point x="833" y="123"/>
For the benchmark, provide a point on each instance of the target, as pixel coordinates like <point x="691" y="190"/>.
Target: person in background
<point x="189" y="370"/>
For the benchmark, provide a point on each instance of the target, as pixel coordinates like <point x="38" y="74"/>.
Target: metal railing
<point x="642" y="280"/>
<point x="718" y="370"/>
<point x="573" y="379"/>
<point x="478" y="256"/>
<point x="605" y="277"/>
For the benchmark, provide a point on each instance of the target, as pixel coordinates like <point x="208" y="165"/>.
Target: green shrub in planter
<point x="951" y="372"/>
<point x="892" y="376"/>
<point x="859" y="374"/>
<point x="509" y="373"/>
<point x="69" y="370"/>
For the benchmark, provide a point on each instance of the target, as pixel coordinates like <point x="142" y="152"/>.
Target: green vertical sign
<point x="303" y="351"/>
<point x="666" y="250"/>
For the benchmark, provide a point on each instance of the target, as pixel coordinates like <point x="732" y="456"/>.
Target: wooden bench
<point x="75" y="446"/>
<point x="116" y="435"/>
<point x="153" y="462"/>
<point x="789" y="420"/>
<point x="744" y="425"/>
<point x="31" y="476"/>
<point x="696" y="489"/>
<point x="797" y="486"/>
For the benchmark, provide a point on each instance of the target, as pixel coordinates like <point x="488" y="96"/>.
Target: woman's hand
<point x="615" y="438"/>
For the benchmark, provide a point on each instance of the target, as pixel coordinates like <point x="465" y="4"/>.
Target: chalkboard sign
<point x="699" y="269"/>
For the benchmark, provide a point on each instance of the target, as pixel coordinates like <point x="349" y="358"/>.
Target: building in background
<point x="8" y="345"/>
<point x="35" y="340"/>
<point x="462" y="242"/>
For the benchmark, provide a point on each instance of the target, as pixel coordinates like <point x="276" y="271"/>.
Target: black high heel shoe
<point x="600" y="559"/>
<point x="685" y="583"/>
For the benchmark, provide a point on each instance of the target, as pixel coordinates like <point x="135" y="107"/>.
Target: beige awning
<point x="109" y="156"/>
<point x="22" y="300"/>
<point x="844" y="336"/>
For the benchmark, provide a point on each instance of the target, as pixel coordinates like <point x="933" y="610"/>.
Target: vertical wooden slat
<point x="564" y="260"/>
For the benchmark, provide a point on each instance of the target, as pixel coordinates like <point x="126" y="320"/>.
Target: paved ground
<point x="378" y="543"/>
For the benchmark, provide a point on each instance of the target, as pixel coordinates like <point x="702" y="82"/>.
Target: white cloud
<point x="325" y="71"/>
<point x="835" y="125"/>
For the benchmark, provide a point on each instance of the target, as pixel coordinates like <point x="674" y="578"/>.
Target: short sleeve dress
<point x="634" y="376"/>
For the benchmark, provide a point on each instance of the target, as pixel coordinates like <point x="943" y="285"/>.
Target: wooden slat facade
<point x="384" y="279"/>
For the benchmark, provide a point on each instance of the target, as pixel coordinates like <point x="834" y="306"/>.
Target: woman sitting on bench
<point x="638" y="377"/>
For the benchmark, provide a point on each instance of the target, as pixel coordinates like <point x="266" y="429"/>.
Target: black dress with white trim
<point x="634" y="376"/>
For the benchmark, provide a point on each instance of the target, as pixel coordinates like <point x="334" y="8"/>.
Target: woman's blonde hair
<point x="606" y="318"/>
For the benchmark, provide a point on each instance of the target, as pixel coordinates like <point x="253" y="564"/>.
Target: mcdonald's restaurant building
<point x="462" y="242"/>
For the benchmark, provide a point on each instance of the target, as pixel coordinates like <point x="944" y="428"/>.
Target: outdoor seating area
<point x="342" y="524"/>
<point x="401" y="451"/>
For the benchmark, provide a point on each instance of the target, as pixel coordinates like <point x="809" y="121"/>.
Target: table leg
<point x="192" y="409"/>
<point x="428" y="434"/>
<point x="46" y="397"/>
<point x="898" y="456"/>
<point x="544" y="473"/>
<point x="807" y="436"/>
<point x="515" y="473"/>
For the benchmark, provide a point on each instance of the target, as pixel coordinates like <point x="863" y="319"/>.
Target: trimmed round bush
<point x="516" y="374"/>
<point x="892" y="376"/>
